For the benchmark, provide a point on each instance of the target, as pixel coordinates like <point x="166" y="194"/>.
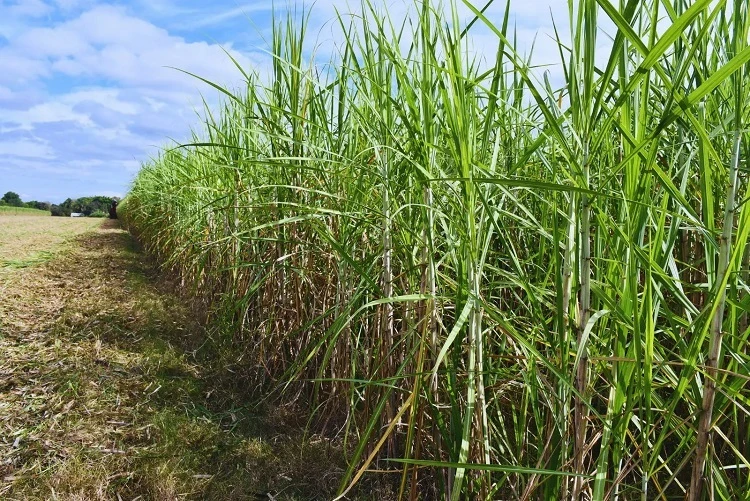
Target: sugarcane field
<point x="404" y="250"/>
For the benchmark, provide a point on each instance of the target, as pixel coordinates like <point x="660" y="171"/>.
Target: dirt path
<point x="107" y="391"/>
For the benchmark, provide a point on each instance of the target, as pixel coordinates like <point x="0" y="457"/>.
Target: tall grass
<point x="504" y="289"/>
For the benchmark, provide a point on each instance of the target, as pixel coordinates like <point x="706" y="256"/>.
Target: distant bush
<point x="34" y="204"/>
<point x="56" y="210"/>
<point x="98" y="213"/>
<point x="13" y="199"/>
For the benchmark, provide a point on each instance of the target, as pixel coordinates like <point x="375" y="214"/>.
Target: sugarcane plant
<point x="505" y="281"/>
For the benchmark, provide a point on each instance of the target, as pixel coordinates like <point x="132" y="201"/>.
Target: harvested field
<point x="26" y="240"/>
<point x="109" y="389"/>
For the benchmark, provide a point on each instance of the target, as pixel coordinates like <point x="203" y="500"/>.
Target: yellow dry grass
<point x="28" y="239"/>
<point x="109" y="390"/>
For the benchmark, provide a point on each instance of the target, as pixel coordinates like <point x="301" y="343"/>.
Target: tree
<point x="12" y="199"/>
<point x="56" y="210"/>
<point x="34" y="204"/>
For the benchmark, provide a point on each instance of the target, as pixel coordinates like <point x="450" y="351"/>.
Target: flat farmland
<point x="110" y="388"/>
<point x="28" y="239"/>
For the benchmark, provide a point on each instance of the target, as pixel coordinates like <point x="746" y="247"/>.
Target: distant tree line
<point x="12" y="199"/>
<point x="89" y="206"/>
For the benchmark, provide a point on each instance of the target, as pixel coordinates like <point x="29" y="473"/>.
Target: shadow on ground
<point x="110" y="390"/>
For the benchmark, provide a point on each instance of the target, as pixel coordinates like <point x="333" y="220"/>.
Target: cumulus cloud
<point x="29" y="8"/>
<point x="27" y="149"/>
<point x="107" y="42"/>
<point x="48" y="112"/>
<point x="67" y="5"/>
<point x="97" y="87"/>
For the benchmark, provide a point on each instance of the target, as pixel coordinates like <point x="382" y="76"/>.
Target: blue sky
<point x="86" y="95"/>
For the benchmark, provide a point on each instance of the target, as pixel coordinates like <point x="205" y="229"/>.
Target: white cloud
<point x="106" y="42"/>
<point x="49" y="112"/>
<point x="18" y="69"/>
<point x="71" y="4"/>
<point x="40" y="43"/>
<point x="26" y="148"/>
<point x="29" y="8"/>
<point x="106" y="97"/>
<point x="132" y="104"/>
<point x="241" y="11"/>
<point x="155" y="104"/>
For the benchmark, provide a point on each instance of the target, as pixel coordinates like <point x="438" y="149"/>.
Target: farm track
<point x="107" y="391"/>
